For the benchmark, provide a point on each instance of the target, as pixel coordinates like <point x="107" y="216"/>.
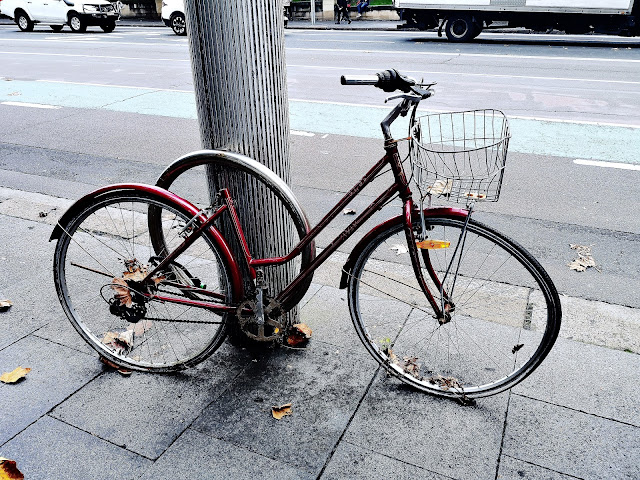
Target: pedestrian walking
<point x="342" y="11"/>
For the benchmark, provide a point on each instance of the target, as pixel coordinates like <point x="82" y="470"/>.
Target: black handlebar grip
<point x="359" y="79"/>
<point x="390" y="81"/>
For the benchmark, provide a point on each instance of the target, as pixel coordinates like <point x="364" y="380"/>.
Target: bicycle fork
<point x="443" y="308"/>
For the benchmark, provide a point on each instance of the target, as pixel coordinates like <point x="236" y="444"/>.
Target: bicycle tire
<point x="506" y="318"/>
<point x="256" y="175"/>
<point x="110" y="236"/>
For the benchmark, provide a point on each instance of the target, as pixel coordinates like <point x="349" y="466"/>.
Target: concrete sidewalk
<point x="72" y="418"/>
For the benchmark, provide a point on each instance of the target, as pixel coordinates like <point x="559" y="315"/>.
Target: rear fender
<point x="87" y="200"/>
<point x="392" y="222"/>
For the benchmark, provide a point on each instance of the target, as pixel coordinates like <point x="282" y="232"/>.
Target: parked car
<point x="78" y="14"/>
<point x="173" y="16"/>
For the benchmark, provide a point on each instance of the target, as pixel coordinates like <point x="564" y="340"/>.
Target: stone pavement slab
<point x="50" y="449"/>
<point x="437" y="435"/>
<point x="511" y="468"/>
<point x="355" y="463"/>
<point x="145" y="413"/>
<point x="56" y="373"/>
<point x="590" y="379"/>
<point x="198" y="456"/>
<point x="571" y="442"/>
<point x="324" y="386"/>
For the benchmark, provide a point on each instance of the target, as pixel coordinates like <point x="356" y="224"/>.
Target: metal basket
<point x="461" y="155"/>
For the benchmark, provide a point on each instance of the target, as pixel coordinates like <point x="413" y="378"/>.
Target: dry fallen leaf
<point x="122" y="342"/>
<point x="441" y="187"/>
<point x="348" y="211"/>
<point x="279" y="411"/>
<point x="9" y="470"/>
<point x="399" y="249"/>
<point x="5" y="305"/>
<point x="13" y="377"/>
<point x="584" y="260"/>
<point x="121" y="370"/>
<point x="123" y="294"/>
<point x="300" y="334"/>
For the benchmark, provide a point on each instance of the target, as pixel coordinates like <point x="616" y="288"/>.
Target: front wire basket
<point x="461" y="155"/>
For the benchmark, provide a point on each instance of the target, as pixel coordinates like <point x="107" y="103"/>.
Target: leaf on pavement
<point x="399" y="249"/>
<point x="121" y="370"/>
<point x="585" y="259"/>
<point x="5" y="305"/>
<point x="9" y="470"/>
<point x="13" y="377"/>
<point x="280" y="411"/>
<point x="121" y="342"/>
<point x="348" y="211"/>
<point x="300" y="333"/>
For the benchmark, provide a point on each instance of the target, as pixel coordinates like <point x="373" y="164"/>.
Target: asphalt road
<point x="82" y="110"/>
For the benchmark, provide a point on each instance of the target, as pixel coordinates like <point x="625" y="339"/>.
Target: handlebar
<point x="389" y="81"/>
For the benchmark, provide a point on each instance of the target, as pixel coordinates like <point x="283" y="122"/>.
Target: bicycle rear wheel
<point x="99" y="262"/>
<point x="505" y="316"/>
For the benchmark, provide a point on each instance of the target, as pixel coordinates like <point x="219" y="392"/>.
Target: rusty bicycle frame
<point x="400" y="187"/>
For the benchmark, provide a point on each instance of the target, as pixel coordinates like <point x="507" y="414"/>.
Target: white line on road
<point x="302" y="134"/>
<point x="472" y="55"/>
<point x="116" y="86"/>
<point x="147" y="59"/>
<point x="594" y="163"/>
<point x="465" y="74"/>
<point x="30" y="105"/>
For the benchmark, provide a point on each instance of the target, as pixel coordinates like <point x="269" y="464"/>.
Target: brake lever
<point x="404" y="96"/>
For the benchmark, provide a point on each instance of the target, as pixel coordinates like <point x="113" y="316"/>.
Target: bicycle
<point x="443" y="302"/>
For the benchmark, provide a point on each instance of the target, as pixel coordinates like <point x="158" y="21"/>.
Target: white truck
<point x="463" y="20"/>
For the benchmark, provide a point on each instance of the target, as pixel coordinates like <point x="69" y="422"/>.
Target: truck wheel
<point x="461" y="28"/>
<point x="178" y="24"/>
<point x="76" y="24"/>
<point x="108" y="27"/>
<point x="24" y="22"/>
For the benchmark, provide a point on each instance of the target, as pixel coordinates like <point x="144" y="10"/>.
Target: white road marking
<point x="594" y="163"/>
<point x="302" y="134"/>
<point x="465" y="74"/>
<point x="472" y="55"/>
<point x="117" y="86"/>
<point x="147" y="59"/>
<point x="30" y="105"/>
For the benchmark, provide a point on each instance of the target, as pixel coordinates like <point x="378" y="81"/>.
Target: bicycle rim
<point x="101" y="253"/>
<point x="505" y="316"/>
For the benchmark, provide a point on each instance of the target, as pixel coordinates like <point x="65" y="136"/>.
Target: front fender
<point x="87" y="200"/>
<point x="392" y="222"/>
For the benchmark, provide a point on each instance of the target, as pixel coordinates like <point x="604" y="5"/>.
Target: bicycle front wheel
<point x="100" y="260"/>
<point x="504" y="311"/>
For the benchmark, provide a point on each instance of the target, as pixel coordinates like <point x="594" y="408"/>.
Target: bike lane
<point x="539" y="136"/>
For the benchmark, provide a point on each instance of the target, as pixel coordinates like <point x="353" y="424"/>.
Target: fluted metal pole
<point x="238" y="60"/>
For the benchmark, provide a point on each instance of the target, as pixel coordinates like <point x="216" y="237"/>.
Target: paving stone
<point x="352" y="462"/>
<point x="56" y="372"/>
<point x="195" y="455"/>
<point x="512" y="468"/>
<point x="23" y="280"/>
<point x="570" y="442"/>
<point x="438" y="435"/>
<point x="50" y="449"/>
<point x="588" y="378"/>
<point x="324" y="388"/>
<point x="327" y="313"/>
<point x="147" y="412"/>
